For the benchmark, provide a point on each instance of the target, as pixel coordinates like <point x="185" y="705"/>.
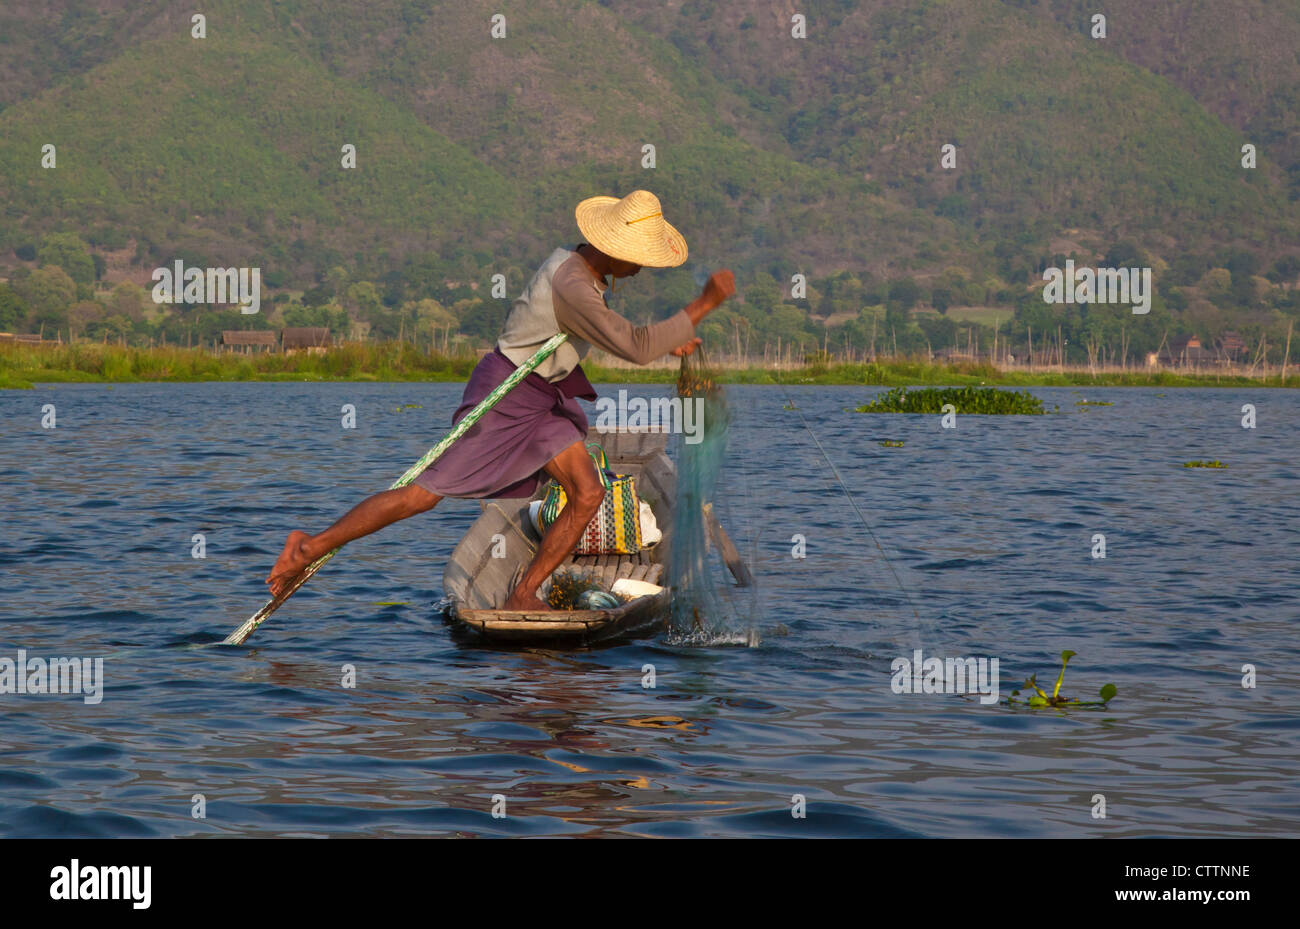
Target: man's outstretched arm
<point x="580" y="311"/>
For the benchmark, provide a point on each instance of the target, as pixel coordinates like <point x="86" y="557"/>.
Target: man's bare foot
<point x="292" y="561"/>
<point x="530" y="603"/>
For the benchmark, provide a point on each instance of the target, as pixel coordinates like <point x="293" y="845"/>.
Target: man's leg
<point x="576" y="472"/>
<point x="371" y="514"/>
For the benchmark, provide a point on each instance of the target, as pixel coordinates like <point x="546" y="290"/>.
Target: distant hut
<point x="1187" y="353"/>
<point x="1231" y="345"/>
<point x="312" y="339"/>
<point x="249" y="340"/>
<point x="24" y="338"/>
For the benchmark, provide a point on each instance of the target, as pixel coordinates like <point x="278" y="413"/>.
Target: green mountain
<point x="774" y="154"/>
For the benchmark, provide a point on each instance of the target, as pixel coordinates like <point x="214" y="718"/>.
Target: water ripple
<point x="990" y="529"/>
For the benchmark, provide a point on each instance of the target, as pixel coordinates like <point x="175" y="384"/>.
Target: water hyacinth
<point x="967" y="400"/>
<point x="1040" y="698"/>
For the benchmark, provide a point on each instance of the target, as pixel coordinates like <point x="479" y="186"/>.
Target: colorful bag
<point x="616" y="527"/>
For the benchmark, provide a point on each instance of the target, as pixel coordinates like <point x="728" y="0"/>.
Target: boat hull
<point x="643" y="615"/>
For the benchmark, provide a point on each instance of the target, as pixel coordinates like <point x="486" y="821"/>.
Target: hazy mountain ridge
<point x="774" y="154"/>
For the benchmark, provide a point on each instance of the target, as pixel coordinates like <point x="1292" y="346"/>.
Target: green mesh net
<point x="699" y="609"/>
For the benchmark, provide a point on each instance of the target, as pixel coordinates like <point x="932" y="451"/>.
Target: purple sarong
<point x="504" y="453"/>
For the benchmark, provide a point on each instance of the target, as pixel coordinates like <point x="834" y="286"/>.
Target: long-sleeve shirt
<point x="580" y="310"/>
<point x="574" y="303"/>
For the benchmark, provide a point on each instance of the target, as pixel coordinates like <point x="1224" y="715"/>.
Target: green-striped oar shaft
<point x="250" y="625"/>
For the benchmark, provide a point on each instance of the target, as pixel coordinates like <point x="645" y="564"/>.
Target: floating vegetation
<point x="986" y="401"/>
<point x="391" y="603"/>
<point x="407" y="406"/>
<point x="1040" y="698"/>
<point x="1216" y="463"/>
<point x="789" y="405"/>
<point x="1093" y="403"/>
<point x="889" y="443"/>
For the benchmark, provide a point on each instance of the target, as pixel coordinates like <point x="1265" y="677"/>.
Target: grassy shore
<point x="24" y="366"/>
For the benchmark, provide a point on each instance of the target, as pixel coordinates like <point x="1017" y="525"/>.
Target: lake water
<point x="989" y="528"/>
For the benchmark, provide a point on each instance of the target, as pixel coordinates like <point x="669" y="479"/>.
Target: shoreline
<point x="26" y="367"/>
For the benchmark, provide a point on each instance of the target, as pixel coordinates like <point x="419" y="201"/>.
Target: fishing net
<point x="704" y="606"/>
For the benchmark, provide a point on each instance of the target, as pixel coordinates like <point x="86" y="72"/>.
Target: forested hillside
<point x="776" y="156"/>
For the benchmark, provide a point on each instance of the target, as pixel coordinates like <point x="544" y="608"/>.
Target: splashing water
<point x="699" y="614"/>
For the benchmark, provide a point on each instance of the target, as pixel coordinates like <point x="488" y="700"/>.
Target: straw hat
<point x="631" y="229"/>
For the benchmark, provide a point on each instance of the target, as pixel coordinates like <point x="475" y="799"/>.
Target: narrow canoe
<point x="478" y="583"/>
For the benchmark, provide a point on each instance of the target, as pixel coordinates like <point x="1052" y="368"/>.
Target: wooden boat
<point x="477" y="583"/>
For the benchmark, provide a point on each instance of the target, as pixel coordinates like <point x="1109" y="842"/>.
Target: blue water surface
<point x="980" y="543"/>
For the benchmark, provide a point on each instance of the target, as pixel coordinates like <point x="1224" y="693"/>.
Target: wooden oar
<point x="727" y="549"/>
<point x="250" y="625"/>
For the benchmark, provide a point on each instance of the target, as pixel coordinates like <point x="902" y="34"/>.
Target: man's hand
<point x="687" y="348"/>
<point x="720" y="286"/>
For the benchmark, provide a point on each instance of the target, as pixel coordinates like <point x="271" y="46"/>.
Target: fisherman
<point x="538" y="428"/>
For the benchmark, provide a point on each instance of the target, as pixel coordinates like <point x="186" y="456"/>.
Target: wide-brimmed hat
<point x="632" y="229"/>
